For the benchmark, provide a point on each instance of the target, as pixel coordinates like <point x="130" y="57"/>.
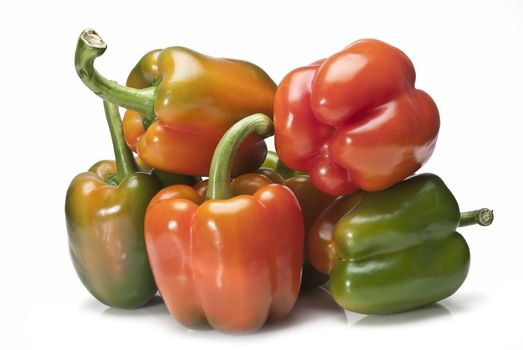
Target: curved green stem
<point x="284" y="170"/>
<point x="273" y="161"/>
<point x="483" y="217"/>
<point x="221" y="165"/>
<point x="90" y="46"/>
<point x="124" y="157"/>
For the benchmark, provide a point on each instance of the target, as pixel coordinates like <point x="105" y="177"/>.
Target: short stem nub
<point x="483" y="217"/>
<point x="221" y="165"/>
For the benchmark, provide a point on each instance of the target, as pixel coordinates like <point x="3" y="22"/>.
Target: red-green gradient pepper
<point x="230" y="261"/>
<point x="180" y="103"/>
<point x="396" y="249"/>
<point x="105" y="214"/>
<point x="355" y="120"/>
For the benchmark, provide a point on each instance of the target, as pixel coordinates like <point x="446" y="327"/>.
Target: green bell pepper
<point x="396" y="249"/>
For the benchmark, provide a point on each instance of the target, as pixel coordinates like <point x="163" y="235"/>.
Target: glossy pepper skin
<point x="180" y="103"/>
<point x="392" y="250"/>
<point x="232" y="261"/>
<point x="355" y="120"/>
<point x="312" y="203"/>
<point x="105" y="216"/>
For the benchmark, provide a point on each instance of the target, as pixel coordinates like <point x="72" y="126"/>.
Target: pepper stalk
<point x="221" y="165"/>
<point x="482" y="217"/>
<point x="91" y="46"/>
<point x="125" y="163"/>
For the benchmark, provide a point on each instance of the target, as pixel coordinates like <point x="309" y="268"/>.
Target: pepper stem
<point x="221" y="165"/>
<point x="125" y="164"/>
<point x="483" y="217"/>
<point x="90" y="46"/>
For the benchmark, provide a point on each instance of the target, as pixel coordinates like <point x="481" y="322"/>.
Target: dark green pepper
<point x="396" y="249"/>
<point x="105" y="219"/>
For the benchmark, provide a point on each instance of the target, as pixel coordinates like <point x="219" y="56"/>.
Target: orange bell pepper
<point x="230" y="261"/>
<point x="312" y="203"/>
<point x="180" y="103"/>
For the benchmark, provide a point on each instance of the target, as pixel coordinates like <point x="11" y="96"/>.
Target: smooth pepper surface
<point x="232" y="261"/>
<point x="392" y="250"/>
<point x="355" y="120"/>
<point x="198" y="98"/>
<point x="312" y="203"/>
<point x="180" y="103"/>
<point x="105" y="216"/>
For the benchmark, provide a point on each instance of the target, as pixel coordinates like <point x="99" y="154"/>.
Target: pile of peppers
<point x="196" y="208"/>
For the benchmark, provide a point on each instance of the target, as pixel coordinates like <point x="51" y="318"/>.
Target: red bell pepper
<point x="355" y="120"/>
<point x="233" y="262"/>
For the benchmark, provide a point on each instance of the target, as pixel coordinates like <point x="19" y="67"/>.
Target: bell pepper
<point x="394" y="250"/>
<point x="105" y="213"/>
<point x="180" y="103"/>
<point x="355" y="120"/>
<point x="312" y="203"/>
<point x="230" y="261"/>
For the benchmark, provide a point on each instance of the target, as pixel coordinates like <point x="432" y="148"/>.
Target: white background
<point x="468" y="55"/>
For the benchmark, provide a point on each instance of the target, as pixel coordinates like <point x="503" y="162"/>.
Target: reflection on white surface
<point x="316" y="320"/>
<point x="315" y="305"/>
<point x="400" y="319"/>
<point x="155" y="308"/>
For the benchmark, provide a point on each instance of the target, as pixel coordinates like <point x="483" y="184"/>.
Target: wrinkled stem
<point x="125" y="164"/>
<point x="221" y="165"/>
<point x="90" y="46"/>
<point x="483" y="217"/>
